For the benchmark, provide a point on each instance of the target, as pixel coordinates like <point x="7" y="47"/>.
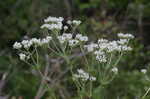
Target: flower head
<point x="115" y="70"/>
<point x="144" y="71"/>
<point x="17" y="45"/>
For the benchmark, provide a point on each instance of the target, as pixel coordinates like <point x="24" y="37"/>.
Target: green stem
<point x="84" y="57"/>
<point x="118" y="60"/>
<point x="146" y="93"/>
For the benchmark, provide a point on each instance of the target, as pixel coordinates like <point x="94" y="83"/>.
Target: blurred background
<point x="20" y="19"/>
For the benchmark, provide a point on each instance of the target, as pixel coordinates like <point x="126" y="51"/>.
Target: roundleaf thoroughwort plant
<point x="58" y="53"/>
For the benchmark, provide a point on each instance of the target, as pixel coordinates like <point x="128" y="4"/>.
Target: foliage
<point x="21" y="19"/>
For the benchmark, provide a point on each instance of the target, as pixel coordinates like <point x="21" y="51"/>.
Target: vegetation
<point x="22" y="20"/>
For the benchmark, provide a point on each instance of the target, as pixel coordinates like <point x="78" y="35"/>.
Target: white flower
<point x="84" y="38"/>
<point x="65" y="27"/>
<point x="127" y="36"/>
<point x="57" y="26"/>
<point x="113" y="46"/>
<point x="67" y="36"/>
<point x="91" y="47"/>
<point x="69" y="22"/>
<point x="84" y="76"/>
<point x="144" y="71"/>
<point x="17" y="45"/>
<point x="36" y="41"/>
<point x="122" y="41"/>
<point x="102" y="41"/>
<point x="115" y="70"/>
<point x="54" y="19"/>
<point x="92" y="78"/>
<point x="45" y="26"/>
<point x="61" y="39"/>
<point x="46" y="40"/>
<point x="80" y="71"/>
<point x="126" y="48"/>
<point x="73" y="42"/>
<point x="81" y="38"/>
<point x="26" y="43"/>
<point x="49" y="38"/>
<point x="76" y="22"/>
<point x="101" y="58"/>
<point x="78" y="36"/>
<point x="22" y="56"/>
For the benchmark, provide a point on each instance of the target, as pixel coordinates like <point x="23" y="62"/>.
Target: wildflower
<point x="26" y="44"/>
<point x="49" y="38"/>
<point x="46" y="40"/>
<point x="84" y="76"/>
<point x="17" y="45"/>
<point x="102" y="41"/>
<point x="122" y="41"/>
<point x="61" y="39"/>
<point x="69" y="22"/>
<point x="101" y="58"/>
<point x="144" y="71"/>
<point x="127" y="36"/>
<point x="45" y="26"/>
<point x="67" y="36"/>
<point x="78" y="36"/>
<point x="115" y="70"/>
<point x="54" y="19"/>
<point x="126" y="48"/>
<point x="81" y="38"/>
<point x="65" y="27"/>
<point x="113" y="46"/>
<point x="57" y="26"/>
<point x="36" y="41"/>
<point x="92" y="78"/>
<point x="22" y="56"/>
<point x="76" y="22"/>
<point x="91" y="47"/>
<point x="73" y="42"/>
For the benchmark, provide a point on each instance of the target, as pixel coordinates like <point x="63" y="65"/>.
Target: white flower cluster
<point x="84" y="76"/>
<point x="23" y="57"/>
<point x="65" y="27"/>
<point x="91" y="47"/>
<point x="80" y="37"/>
<point x="100" y="56"/>
<point x="17" y="45"/>
<point x="74" y="22"/>
<point x="103" y="46"/>
<point x="114" y="70"/>
<point x="52" y="23"/>
<point x="34" y="41"/>
<point x="144" y="71"/>
<point x="67" y="37"/>
<point x="73" y="42"/>
<point x="126" y="36"/>
<point x="54" y="19"/>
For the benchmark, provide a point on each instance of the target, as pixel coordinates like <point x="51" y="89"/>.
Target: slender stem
<point x="146" y="93"/>
<point x="91" y="86"/>
<point x="53" y="50"/>
<point x="84" y="57"/>
<point x="55" y="46"/>
<point x="110" y="59"/>
<point x="37" y="55"/>
<point x="118" y="60"/>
